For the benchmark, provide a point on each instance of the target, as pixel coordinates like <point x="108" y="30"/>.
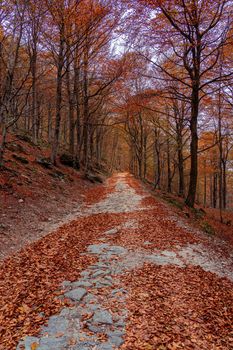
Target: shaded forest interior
<point x="139" y="86"/>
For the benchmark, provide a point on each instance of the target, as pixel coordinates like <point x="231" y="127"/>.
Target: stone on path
<point x="116" y="341"/>
<point x="56" y="325"/>
<point x="99" y="265"/>
<point x="112" y="232"/>
<point x="52" y="343"/>
<point x="99" y="273"/>
<point x="117" y="250"/>
<point x="66" y="284"/>
<point x="102" y="317"/>
<point x="105" y="347"/>
<point x="76" y="294"/>
<point x="97" y="248"/>
<point x="81" y="283"/>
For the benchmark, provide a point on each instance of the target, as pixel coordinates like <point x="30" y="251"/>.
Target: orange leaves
<point x="24" y="309"/>
<point x="34" y="346"/>
<point x="98" y="193"/>
<point x="30" y="280"/>
<point x="182" y="319"/>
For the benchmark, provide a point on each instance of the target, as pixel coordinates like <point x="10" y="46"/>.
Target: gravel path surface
<point x="92" y="322"/>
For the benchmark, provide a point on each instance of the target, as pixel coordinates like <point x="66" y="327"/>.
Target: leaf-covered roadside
<point x="172" y="308"/>
<point x="100" y="192"/>
<point x="169" y="307"/>
<point x="30" y="280"/>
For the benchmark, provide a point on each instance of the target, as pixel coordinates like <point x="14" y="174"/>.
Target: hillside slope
<point x="35" y="197"/>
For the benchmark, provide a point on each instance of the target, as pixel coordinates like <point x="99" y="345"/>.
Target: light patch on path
<point x="89" y="324"/>
<point x="124" y="199"/>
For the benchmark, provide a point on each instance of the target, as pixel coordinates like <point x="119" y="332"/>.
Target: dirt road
<point x="155" y="282"/>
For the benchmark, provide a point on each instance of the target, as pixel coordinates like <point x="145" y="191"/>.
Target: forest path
<point x="156" y="283"/>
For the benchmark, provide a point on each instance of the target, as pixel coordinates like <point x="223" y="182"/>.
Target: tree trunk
<point x="49" y="131"/>
<point x="181" y="171"/>
<point x="58" y="97"/>
<point x="215" y="190"/>
<point x="86" y="131"/>
<point x="220" y="178"/>
<point x="77" y="105"/>
<point x="157" y="161"/>
<point x="71" y="103"/>
<point x="34" y="96"/>
<point x="145" y="157"/>
<point x="169" y="174"/>
<point x="2" y="140"/>
<point x="211" y="191"/>
<point x="190" y="200"/>
<point x="224" y="192"/>
<point x="205" y="185"/>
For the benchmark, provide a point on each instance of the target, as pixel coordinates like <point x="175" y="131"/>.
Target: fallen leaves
<point x="100" y="192"/>
<point x="31" y="279"/>
<point x="169" y="308"/>
<point x="182" y="309"/>
<point x="24" y="309"/>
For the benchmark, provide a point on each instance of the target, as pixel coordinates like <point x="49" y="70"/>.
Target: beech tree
<point x="12" y="57"/>
<point x="66" y="80"/>
<point x="190" y="35"/>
